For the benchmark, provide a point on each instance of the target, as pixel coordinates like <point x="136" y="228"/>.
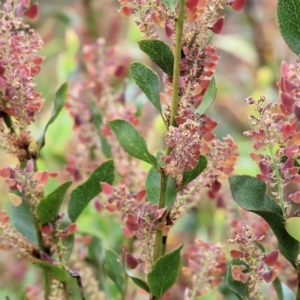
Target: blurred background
<point x="251" y="50"/>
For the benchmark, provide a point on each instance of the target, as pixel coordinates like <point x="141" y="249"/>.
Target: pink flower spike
<point x="218" y="26"/>
<point x="140" y="195"/>
<point x="271" y="258"/>
<point x="237" y="5"/>
<point x="107" y="189"/>
<point x="32" y="12"/>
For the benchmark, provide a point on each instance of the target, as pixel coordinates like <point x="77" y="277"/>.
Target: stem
<point x="177" y="58"/>
<point x="159" y="247"/>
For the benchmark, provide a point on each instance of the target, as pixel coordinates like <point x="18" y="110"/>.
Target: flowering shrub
<point x="140" y="192"/>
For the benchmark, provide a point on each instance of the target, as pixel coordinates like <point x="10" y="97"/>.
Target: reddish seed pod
<point x="236" y="254"/>
<point x="32" y="12"/>
<point x="237" y="5"/>
<point x="132" y="262"/>
<point x="192" y="4"/>
<point x="271" y="258"/>
<point x="218" y="26"/>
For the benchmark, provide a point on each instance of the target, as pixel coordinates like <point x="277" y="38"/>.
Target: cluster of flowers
<point x="141" y="219"/>
<point x="257" y="267"/>
<point x="208" y="258"/>
<point x="19" y="99"/>
<point x="26" y="182"/>
<point x="277" y="131"/>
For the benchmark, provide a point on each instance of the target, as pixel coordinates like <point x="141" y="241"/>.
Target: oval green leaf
<point x="139" y="282"/>
<point x="148" y="81"/>
<point x="153" y="188"/>
<point x="164" y="273"/>
<point x="249" y="193"/>
<point x="113" y="269"/>
<point x="23" y="219"/>
<point x="288" y="13"/>
<point x="48" y="208"/>
<point x="84" y="193"/>
<point x="292" y="226"/>
<point x="160" y="53"/>
<point x="53" y="270"/>
<point x="59" y="102"/>
<point x="208" y="98"/>
<point x="132" y="141"/>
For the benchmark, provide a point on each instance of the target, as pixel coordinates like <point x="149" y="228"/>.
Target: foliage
<point x="124" y="199"/>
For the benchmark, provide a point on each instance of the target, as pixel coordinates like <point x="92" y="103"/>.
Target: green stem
<point x="177" y="58"/>
<point x="159" y="247"/>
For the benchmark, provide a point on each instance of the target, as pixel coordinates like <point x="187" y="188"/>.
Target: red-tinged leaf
<point x="107" y="189"/>
<point x="287" y="100"/>
<point x="271" y="258"/>
<point x="218" y="26"/>
<point x="191" y="4"/>
<point x="237" y="5"/>
<point x="131" y="261"/>
<point x="32" y="12"/>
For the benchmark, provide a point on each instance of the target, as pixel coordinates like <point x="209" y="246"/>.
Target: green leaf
<point x="288" y="14"/>
<point x="189" y="176"/>
<point x="208" y="98"/>
<point x="23" y="219"/>
<point x="278" y="288"/>
<point x="60" y="98"/>
<point x="69" y="241"/>
<point x="148" y="81"/>
<point x="132" y="141"/>
<point x="97" y="119"/>
<point x="237" y="287"/>
<point x="164" y="273"/>
<point x="249" y="193"/>
<point x="47" y="209"/>
<point x="84" y="193"/>
<point x="139" y="282"/>
<point x="113" y="269"/>
<point x="292" y="226"/>
<point x="53" y="270"/>
<point x="172" y="4"/>
<point x="153" y="185"/>
<point x="160" y="53"/>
